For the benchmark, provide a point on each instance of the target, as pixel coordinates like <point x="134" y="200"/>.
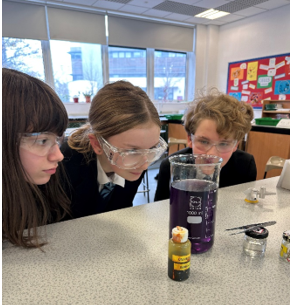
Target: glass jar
<point x="285" y="246"/>
<point x="255" y="241"/>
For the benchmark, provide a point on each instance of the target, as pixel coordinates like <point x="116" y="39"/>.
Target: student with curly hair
<point x="215" y="124"/>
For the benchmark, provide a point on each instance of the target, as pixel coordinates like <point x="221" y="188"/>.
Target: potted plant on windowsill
<point x="87" y="95"/>
<point x="76" y="98"/>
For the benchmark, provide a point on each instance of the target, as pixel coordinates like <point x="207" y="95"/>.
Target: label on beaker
<point x="193" y="206"/>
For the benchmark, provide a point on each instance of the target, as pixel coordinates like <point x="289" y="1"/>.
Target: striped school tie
<point x="107" y="189"/>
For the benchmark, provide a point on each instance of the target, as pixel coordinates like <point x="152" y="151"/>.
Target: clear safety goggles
<point x="40" y="143"/>
<point x="205" y="145"/>
<point x="132" y="158"/>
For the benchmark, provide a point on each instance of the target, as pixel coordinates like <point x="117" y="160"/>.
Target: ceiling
<point x="179" y="11"/>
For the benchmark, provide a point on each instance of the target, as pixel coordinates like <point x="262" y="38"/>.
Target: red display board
<point x="265" y="78"/>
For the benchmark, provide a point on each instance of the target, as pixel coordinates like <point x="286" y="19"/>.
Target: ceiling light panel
<point x="212" y="14"/>
<point x="206" y="13"/>
<point x="118" y="1"/>
<point x="217" y="15"/>
<point x="179" y="8"/>
<point x="238" y="5"/>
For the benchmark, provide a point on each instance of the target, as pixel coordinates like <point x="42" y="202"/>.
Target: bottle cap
<point x="257" y="232"/>
<point x="180" y="234"/>
<point x="286" y="235"/>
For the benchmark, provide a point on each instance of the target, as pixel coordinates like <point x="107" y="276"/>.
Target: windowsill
<point x="171" y="107"/>
<point x="77" y="109"/>
<point x="81" y="109"/>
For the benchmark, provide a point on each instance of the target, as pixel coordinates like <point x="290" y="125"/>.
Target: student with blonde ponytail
<point x="106" y="158"/>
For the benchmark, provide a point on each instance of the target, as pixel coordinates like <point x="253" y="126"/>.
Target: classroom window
<point x="77" y="68"/>
<point x="137" y="54"/>
<point x="169" y="76"/>
<point x="24" y="55"/>
<point x="130" y="68"/>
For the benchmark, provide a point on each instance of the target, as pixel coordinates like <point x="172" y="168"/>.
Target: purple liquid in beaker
<point x="193" y="206"/>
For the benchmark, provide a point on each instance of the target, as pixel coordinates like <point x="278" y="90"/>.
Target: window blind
<point x="71" y="25"/>
<point x="143" y="34"/>
<point x="23" y="21"/>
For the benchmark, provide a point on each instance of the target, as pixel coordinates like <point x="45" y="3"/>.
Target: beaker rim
<point x="211" y="159"/>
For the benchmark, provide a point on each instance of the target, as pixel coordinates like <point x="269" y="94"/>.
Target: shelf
<point x="276" y="101"/>
<point x="284" y="109"/>
<point x="276" y="111"/>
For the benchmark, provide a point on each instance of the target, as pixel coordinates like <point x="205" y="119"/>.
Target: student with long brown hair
<point x="106" y="158"/>
<point x="33" y="122"/>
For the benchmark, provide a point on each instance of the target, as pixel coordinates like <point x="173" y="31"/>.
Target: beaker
<point x="193" y="197"/>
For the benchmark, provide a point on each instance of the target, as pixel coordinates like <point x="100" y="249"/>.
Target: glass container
<point x="285" y="246"/>
<point x="255" y="241"/>
<point x="193" y="197"/>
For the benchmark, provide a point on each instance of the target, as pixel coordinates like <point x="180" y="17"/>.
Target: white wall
<point x="212" y="53"/>
<point x="201" y="58"/>
<point x="206" y="56"/>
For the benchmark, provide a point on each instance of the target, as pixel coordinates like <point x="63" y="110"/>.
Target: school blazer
<point x="240" y="168"/>
<point x="83" y="188"/>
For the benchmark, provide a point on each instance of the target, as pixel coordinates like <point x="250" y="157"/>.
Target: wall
<point x="212" y="53"/>
<point x="206" y="55"/>
<point x="201" y="60"/>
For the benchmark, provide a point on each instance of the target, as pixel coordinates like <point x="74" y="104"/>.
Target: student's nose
<point x="145" y="166"/>
<point x="212" y="150"/>
<point x="144" y="163"/>
<point x="55" y="154"/>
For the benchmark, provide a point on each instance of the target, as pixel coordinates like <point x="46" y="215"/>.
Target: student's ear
<point x="189" y="141"/>
<point x="95" y="144"/>
<point x="235" y="147"/>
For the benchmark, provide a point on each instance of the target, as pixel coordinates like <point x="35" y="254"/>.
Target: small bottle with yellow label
<point x="285" y="246"/>
<point x="179" y="254"/>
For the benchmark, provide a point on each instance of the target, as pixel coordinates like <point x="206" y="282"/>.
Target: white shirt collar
<point x="102" y="177"/>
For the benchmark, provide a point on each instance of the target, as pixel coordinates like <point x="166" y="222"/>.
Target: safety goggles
<point x="40" y="143"/>
<point x="132" y="158"/>
<point x="205" y="145"/>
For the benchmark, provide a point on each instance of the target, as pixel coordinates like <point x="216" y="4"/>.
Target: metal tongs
<point x="251" y="226"/>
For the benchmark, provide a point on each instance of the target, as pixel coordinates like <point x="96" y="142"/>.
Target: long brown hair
<point x="117" y="107"/>
<point x="232" y="117"/>
<point x="28" y="105"/>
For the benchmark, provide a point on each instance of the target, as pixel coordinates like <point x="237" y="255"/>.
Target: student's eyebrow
<point x="136" y="147"/>
<point x="205" y="138"/>
<point x="224" y="140"/>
